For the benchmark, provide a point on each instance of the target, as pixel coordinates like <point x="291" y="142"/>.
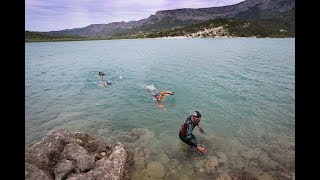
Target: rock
<point x="89" y="143"/>
<point x="223" y="176"/>
<point x="155" y="170"/>
<point x="62" y="155"/>
<point x="184" y="177"/>
<point x="32" y="173"/>
<point x="200" y="165"/>
<point x="222" y="158"/>
<point x="128" y="138"/>
<point x="162" y="158"/>
<point x="46" y="153"/>
<point x="212" y="164"/>
<point x="80" y="155"/>
<point x="141" y="155"/>
<point x="267" y="162"/>
<point x="111" y="167"/>
<point x="64" y="168"/>
<point x="81" y="176"/>
<point x="243" y="175"/>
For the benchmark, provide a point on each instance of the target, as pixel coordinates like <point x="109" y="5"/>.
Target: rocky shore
<point x="141" y="155"/>
<point x="63" y="155"/>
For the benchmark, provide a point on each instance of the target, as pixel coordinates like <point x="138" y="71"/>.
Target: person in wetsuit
<point x="187" y="127"/>
<point x="101" y="74"/>
<point x="107" y="83"/>
<point x="160" y="96"/>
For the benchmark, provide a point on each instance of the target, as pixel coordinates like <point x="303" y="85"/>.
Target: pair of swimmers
<point x="185" y="133"/>
<point x="107" y="82"/>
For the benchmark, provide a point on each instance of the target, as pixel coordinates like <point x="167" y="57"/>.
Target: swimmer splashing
<point x="158" y="96"/>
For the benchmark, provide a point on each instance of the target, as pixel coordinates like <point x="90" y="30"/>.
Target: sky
<point x="52" y="15"/>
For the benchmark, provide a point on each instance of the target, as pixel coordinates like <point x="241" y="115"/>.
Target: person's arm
<point x="201" y="130"/>
<point x="167" y="92"/>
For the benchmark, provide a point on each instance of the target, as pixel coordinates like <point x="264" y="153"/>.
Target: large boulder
<point x="64" y="168"/>
<point x="111" y="167"/>
<point x="77" y="153"/>
<point x="62" y="155"/>
<point x="89" y="143"/>
<point x="46" y="153"/>
<point x="32" y="172"/>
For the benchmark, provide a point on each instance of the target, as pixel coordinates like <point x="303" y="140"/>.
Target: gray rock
<point x="81" y="176"/>
<point x="34" y="173"/>
<point x="89" y="143"/>
<point x="111" y="167"/>
<point x="46" y="153"/>
<point x="64" y="168"/>
<point x="80" y="155"/>
<point x="62" y="155"/>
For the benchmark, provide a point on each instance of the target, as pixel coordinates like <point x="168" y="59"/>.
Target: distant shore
<point x="173" y="37"/>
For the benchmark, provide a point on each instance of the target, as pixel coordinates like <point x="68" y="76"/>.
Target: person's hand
<point x="201" y="130"/>
<point x="202" y="149"/>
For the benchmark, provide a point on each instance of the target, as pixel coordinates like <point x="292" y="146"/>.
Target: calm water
<point x="244" y="88"/>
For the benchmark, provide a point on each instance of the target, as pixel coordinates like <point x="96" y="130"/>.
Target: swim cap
<point x="196" y="114"/>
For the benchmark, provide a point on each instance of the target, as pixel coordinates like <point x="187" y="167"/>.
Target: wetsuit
<point x="185" y="133"/>
<point x="159" y="96"/>
<point x="101" y="74"/>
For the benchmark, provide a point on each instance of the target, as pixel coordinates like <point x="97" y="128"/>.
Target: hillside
<point x="250" y="18"/>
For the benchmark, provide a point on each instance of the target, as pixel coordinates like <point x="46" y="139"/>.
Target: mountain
<point x="100" y="29"/>
<point x="275" y="13"/>
<point x="224" y="11"/>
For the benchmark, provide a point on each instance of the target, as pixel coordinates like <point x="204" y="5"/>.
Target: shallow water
<point x="244" y="88"/>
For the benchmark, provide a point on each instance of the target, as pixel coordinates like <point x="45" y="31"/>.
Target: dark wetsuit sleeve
<point x="190" y="137"/>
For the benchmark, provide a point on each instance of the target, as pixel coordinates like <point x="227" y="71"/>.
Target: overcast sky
<point x="48" y="15"/>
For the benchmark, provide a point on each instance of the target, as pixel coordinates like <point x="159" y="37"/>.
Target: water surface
<point x="244" y="88"/>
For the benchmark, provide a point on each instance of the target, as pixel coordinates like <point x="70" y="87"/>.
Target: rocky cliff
<point x="167" y="19"/>
<point x="223" y="11"/>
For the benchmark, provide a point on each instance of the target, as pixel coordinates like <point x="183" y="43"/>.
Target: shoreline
<point x="174" y="37"/>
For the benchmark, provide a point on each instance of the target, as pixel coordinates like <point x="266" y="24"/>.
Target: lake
<point x="243" y="87"/>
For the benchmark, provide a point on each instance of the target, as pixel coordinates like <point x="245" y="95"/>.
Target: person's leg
<point x="183" y="138"/>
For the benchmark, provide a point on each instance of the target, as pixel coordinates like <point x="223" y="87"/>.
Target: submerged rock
<point x="244" y="175"/>
<point x="155" y="170"/>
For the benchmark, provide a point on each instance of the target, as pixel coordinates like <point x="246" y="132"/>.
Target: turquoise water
<point x="244" y="88"/>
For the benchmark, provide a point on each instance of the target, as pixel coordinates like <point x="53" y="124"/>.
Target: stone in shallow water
<point x="223" y="176"/>
<point x="141" y="155"/>
<point x="162" y="158"/>
<point x="184" y="177"/>
<point x="212" y="164"/>
<point x="155" y="169"/>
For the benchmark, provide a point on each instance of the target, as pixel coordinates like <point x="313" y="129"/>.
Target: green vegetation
<point x="235" y="28"/>
<point x="45" y="36"/>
